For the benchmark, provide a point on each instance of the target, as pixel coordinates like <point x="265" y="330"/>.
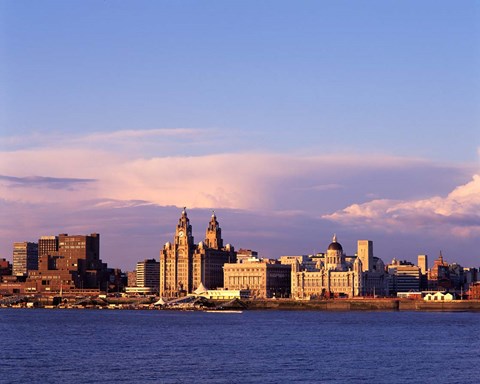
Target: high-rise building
<point x="76" y="264"/>
<point x="403" y="276"/>
<point x="47" y="245"/>
<point x="423" y="264"/>
<point x="185" y="265"/>
<point x="148" y="274"/>
<point x="25" y="258"/>
<point x="365" y="254"/>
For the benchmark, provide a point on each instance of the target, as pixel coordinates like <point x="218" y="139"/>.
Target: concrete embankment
<point x="363" y="305"/>
<point x="325" y="305"/>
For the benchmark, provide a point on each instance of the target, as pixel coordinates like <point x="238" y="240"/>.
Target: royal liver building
<point x="185" y="265"/>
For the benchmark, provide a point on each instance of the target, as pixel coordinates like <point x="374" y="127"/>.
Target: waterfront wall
<point x="363" y="305"/>
<point x="325" y="305"/>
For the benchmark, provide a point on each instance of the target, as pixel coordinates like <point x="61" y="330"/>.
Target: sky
<point x="293" y="120"/>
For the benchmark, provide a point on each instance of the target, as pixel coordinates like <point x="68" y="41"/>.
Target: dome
<point x="334" y="246"/>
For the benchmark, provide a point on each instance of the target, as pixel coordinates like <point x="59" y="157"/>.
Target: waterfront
<point x="87" y="346"/>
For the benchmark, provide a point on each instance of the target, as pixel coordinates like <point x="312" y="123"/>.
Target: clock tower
<point x="185" y="266"/>
<point x="213" y="237"/>
<point x="183" y="233"/>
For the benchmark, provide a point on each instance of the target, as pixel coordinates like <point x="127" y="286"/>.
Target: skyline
<point x="292" y="122"/>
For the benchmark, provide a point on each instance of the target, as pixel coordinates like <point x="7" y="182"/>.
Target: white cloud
<point x="311" y="185"/>
<point x="458" y="211"/>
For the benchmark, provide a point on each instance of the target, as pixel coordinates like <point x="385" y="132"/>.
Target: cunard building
<point x="184" y="265"/>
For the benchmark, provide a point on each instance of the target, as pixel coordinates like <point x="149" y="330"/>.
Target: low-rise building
<point x="438" y="296"/>
<point x="263" y="278"/>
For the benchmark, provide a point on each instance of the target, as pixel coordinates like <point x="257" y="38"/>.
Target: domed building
<point x="334" y="259"/>
<point x="338" y="275"/>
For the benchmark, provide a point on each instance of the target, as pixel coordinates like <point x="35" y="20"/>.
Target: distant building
<point x="132" y="278"/>
<point x="5" y="267"/>
<point x="439" y="275"/>
<point x="403" y="277"/>
<point x="76" y="264"/>
<point x="245" y="255"/>
<point x="335" y="274"/>
<point x="474" y="291"/>
<point x="365" y="254"/>
<point x="438" y="296"/>
<point x="307" y="262"/>
<point x="185" y="265"/>
<point x="47" y="245"/>
<point x="148" y="274"/>
<point x="263" y="278"/>
<point x="422" y="263"/>
<point x="25" y="258"/>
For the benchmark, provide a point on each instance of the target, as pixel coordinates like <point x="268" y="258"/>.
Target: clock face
<point x="180" y="234"/>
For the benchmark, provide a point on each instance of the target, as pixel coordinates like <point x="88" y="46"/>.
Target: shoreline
<point x="360" y="304"/>
<point x="383" y="304"/>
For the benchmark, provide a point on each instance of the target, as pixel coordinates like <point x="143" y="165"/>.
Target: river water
<point x="120" y="346"/>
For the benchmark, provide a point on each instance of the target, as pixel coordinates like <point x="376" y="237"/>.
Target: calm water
<point x="91" y="346"/>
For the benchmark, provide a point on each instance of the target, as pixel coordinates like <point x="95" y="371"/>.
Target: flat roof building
<point x="25" y="258"/>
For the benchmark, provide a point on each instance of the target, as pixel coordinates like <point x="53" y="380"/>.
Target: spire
<point x="334" y="238"/>
<point x="440" y="257"/>
<point x="184" y="212"/>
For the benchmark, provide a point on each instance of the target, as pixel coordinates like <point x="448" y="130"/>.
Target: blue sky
<point x="312" y="117"/>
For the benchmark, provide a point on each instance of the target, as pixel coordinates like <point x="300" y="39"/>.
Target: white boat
<point x="222" y="311"/>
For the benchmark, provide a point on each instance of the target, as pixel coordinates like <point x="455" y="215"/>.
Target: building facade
<point x="336" y="275"/>
<point x="185" y="265"/>
<point x="263" y="278"/>
<point x="25" y="258"/>
<point x="76" y="264"/>
<point x="403" y="277"/>
<point x="148" y="274"/>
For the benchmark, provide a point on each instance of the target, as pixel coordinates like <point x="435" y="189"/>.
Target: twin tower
<point x="184" y="265"/>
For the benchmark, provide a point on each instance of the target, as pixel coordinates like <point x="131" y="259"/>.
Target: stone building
<point x="263" y="278"/>
<point x="336" y="275"/>
<point x="439" y="275"/>
<point x="184" y="265"/>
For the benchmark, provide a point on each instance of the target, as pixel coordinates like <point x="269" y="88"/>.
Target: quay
<point x="358" y="304"/>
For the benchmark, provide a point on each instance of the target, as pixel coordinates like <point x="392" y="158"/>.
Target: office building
<point x="25" y="258"/>
<point x="148" y="274"/>
<point x="403" y="277"/>
<point x="75" y="265"/>
<point x="422" y="263"/>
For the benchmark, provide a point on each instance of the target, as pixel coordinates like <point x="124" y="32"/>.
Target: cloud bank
<point x="458" y="211"/>
<point x="277" y="202"/>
